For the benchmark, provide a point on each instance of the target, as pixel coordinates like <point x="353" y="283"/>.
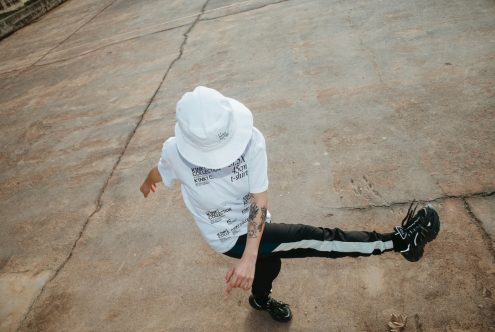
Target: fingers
<point x="237" y="282"/>
<point x="236" y="277"/>
<point x="145" y="189"/>
<point x="229" y="275"/>
<point x="231" y="284"/>
<point x="246" y="284"/>
<point x="227" y="290"/>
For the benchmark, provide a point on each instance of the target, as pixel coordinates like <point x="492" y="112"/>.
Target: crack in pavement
<point x="98" y="207"/>
<point x="479" y="224"/>
<point x="124" y="149"/>
<point x="372" y="206"/>
<point x="368" y="50"/>
<point x="24" y="69"/>
<point x="20" y="69"/>
<point x="242" y="11"/>
<point x="19" y="272"/>
<point x="476" y="221"/>
<point x="136" y="37"/>
<point x="74" y="32"/>
<point x="110" y="44"/>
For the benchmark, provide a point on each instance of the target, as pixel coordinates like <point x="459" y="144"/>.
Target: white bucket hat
<point x="212" y="130"/>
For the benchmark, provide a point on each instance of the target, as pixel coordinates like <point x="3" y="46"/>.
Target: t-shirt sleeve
<point x="164" y="167"/>
<point x="257" y="163"/>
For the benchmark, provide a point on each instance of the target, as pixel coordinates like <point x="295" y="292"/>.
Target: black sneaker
<point x="416" y="231"/>
<point x="278" y="310"/>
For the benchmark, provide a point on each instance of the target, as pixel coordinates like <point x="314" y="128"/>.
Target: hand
<point x="241" y="275"/>
<point x="147" y="186"/>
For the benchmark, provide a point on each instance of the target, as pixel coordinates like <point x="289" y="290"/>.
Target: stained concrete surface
<point x="365" y="106"/>
<point x="32" y="42"/>
<point x="18" y="289"/>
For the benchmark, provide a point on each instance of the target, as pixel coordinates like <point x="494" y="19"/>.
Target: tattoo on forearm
<point x="253" y="212"/>
<point x="251" y="229"/>
<point x="253" y="226"/>
<point x="263" y="219"/>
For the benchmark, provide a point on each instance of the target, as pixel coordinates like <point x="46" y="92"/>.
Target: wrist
<point x="250" y="256"/>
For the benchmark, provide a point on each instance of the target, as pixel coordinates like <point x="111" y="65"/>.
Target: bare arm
<point x="256" y="224"/>
<point x="242" y="274"/>
<point x="150" y="182"/>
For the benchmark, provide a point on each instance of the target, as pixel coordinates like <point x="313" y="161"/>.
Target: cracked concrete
<point x="482" y="210"/>
<point x="33" y="42"/>
<point x="99" y="204"/>
<point x="437" y="199"/>
<point x="364" y="109"/>
<point x="19" y="288"/>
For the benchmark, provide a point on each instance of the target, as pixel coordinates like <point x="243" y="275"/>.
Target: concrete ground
<point x="365" y="106"/>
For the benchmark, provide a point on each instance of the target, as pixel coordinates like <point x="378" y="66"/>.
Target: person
<point x="220" y="160"/>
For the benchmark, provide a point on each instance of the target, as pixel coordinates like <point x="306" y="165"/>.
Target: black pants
<point x="297" y="240"/>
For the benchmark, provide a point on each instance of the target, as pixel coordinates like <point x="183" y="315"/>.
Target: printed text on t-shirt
<point x="217" y="214"/>
<point x="239" y="169"/>
<point x="202" y="175"/>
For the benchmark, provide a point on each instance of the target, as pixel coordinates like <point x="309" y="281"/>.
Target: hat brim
<point x="227" y="154"/>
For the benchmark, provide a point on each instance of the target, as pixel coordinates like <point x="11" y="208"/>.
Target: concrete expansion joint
<point x="12" y="71"/>
<point x="124" y="149"/>
<point x="22" y="70"/>
<point x="241" y="11"/>
<point x="15" y="272"/>
<point x="108" y="45"/>
<point x="74" y="32"/>
<point x="203" y="11"/>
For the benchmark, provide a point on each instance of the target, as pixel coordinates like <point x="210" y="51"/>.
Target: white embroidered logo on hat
<point x="211" y="130"/>
<point x="222" y="136"/>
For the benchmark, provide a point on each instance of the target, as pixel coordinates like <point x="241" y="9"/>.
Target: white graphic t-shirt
<point x="218" y="199"/>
